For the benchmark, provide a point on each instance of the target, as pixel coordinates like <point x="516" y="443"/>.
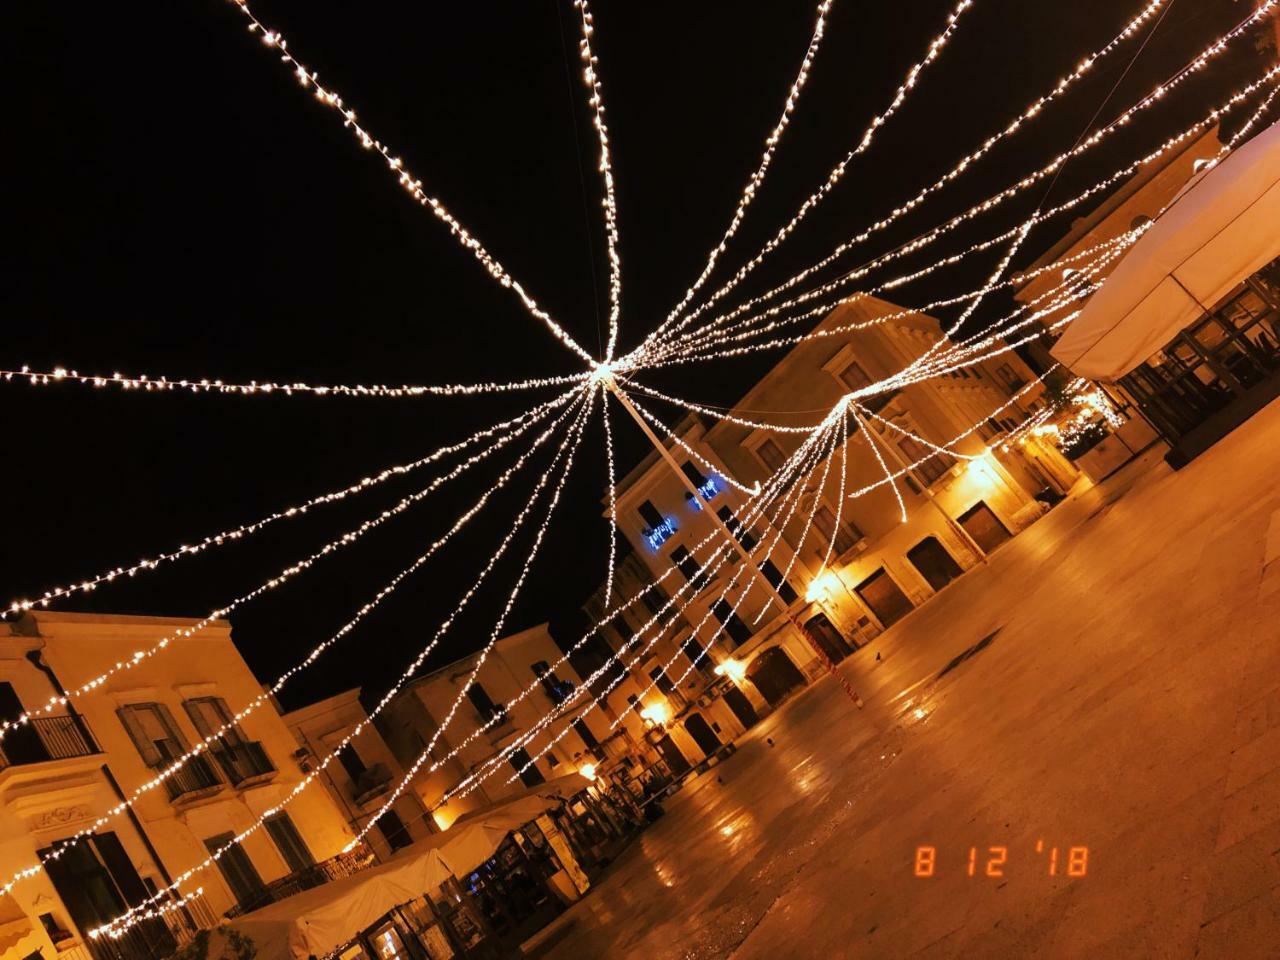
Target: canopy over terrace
<point x="318" y="921"/>
<point x="1219" y="231"/>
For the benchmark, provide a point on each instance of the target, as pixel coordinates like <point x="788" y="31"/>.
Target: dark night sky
<point x="177" y="205"/>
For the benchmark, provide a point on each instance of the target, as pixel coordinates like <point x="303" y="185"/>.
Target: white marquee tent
<point x="1224" y="227"/>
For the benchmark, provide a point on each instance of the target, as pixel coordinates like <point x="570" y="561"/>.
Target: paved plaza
<point x="1128" y="701"/>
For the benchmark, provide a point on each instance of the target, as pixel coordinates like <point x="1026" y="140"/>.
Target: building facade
<point x="484" y="724"/>
<point x="64" y="770"/>
<point x="881" y="567"/>
<point x="364" y="774"/>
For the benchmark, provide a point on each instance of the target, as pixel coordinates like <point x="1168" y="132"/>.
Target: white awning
<point x="1224" y="227"/>
<point x="319" y="920"/>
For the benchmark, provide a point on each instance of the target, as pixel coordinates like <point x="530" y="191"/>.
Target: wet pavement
<point x="1128" y="702"/>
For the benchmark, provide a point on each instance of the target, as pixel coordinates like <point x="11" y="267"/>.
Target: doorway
<point x="22" y="744"/>
<point x="884" y="597"/>
<point x="826" y="636"/>
<point x="937" y="566"/>
<point x="774" y="675"/>
<point x="741" y="707"/>
<point x="675" y="760"/>
<point x="981" y="523"/>
<point x="706" y="739"/>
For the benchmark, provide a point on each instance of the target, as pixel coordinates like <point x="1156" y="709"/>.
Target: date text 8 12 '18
<point x="992" y="861"/>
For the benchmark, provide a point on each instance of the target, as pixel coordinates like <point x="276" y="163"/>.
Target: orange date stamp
<point x="993" y="861"/>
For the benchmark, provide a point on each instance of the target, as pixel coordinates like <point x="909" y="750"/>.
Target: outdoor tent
<point x="318" y="920"/>
<point x="1224" y="227"/>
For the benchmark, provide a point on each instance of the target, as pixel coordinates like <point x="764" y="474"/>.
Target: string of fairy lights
<point x="596" y="102"/>
<point x="756" y="180"/>
<point x="1124" y="119"/>
<point x="1082" y="68"/>
<point x="679" y="338"/>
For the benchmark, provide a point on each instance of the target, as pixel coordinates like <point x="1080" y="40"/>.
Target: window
<point x="825" y="520"/>
<point x="1011" y="379"/>
<point x="737" y="630"/>
<point x="650" y="515"/>
<point x="930" y="466"/>
<point x="771" y="454"/>
<point x="853" y="376"/>
<point x="488" y="710"/>
<point x="697" y="655"/>
<point x="655" y="602"/>
<point x="211" y="714"/>
<point x="696" y="476"/>
<point x="553" y="760"/>
<point x="659" y="676"/>
<point x="584" y="732"/>
<point x="393" y="830"/>
<point x="774" y="576"/>
<point x="237" y="869"/>
<point x="154" y="732"/>
<point x="688" y="566"/>
<point x="556" y="689"/>
<point x="526" y="768"/>
<point x="351" y="762"/>
<point x="289" y="842"/>
<point x="740" y="533"/>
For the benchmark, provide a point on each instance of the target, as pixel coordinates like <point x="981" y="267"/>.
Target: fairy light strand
<point x="149" y="384"/>
<point x="218" y="539"/>
<point x="595" y="100"/>
<point x="329" y="98"/>
<point x="131" y="916"/>
<point x="756" y="179"/>
<point x="1158" y="93"/>
<point x="266" y="696"/>
<point x="935" y="49"/>
<point x="1063" y="84"/>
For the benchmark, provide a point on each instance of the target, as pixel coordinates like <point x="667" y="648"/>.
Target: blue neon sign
<point x="657" y="536"/>
<point x="708" y="490"/>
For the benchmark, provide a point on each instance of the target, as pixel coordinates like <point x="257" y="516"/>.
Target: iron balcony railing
<point x="335" y="868"/>
<point x="47" y="738"/>
<point x="197" y="777"/>
<point x="244" y="762"/>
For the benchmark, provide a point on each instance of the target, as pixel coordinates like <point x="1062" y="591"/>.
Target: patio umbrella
<point x="1223" y="227"/>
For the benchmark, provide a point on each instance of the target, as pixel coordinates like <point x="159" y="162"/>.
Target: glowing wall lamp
<point x="733" y="669"/>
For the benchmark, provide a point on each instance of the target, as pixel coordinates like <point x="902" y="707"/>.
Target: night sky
<point x="176" y="205"/>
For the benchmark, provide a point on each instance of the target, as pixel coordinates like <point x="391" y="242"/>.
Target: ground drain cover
<point x="975" y="649"/>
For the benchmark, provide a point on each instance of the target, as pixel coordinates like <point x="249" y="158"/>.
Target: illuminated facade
<point x="64" y="770"/>
<point x="880" y="567"/>
<point x="484" y="725"/>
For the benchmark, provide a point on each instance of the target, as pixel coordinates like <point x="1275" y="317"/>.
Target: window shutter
<point x="196" y="713"/>
<point x="171" y="726"/>
<point x="133" y="724"/>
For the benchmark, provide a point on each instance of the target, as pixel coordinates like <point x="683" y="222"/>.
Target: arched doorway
<point x="824" y="633"/>
<point x="774" y="675"/>
<point x="702" y="734"/>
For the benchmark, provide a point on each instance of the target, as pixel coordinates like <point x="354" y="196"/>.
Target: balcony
<point x="47" y="738"/>
<point x="371" y="784"/>
<point x="335" y="868"/>
<point x="195" y="779"/>
<point x="244" y="763"/>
